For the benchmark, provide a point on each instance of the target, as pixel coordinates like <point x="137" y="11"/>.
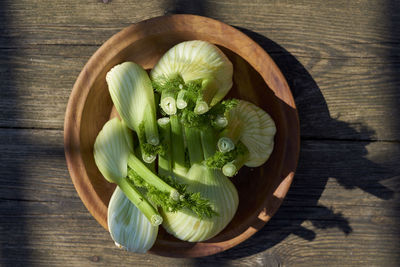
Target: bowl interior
<point x="261" y="190"/>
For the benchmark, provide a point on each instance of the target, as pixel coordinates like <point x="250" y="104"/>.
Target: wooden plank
<point x="343" y="209"/>
<point x="36" y="84"/>
<point x="288" y="22"/>
<point x="33" y="166"/>
<point x="70" y="22"/>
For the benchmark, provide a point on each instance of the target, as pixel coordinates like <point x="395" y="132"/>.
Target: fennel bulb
<point x="132" y="94"/>
<point x="208" y="183"/>
<point x="253" y="127"/>
<point x="128" y="226"/>
<point x="112" y="151"/>
<point x="221" y="193"/>
<point x="194" y="61"/>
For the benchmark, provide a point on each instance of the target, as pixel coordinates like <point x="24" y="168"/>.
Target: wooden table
<point x="342" y="62"/>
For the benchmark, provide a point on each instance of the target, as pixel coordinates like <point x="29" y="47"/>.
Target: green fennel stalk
<point x="164" y="158"/>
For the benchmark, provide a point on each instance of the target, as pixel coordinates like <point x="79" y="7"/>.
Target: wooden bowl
<point x="256" y="79"/>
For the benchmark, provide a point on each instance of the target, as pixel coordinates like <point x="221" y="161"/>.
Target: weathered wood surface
<point x="341" y="59"/>
<point x="351" y="48"/>
<point x="343" y="208"/>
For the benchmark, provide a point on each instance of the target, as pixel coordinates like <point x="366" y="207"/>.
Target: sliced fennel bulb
<point x="197" y="60"/>
<point x="223" y="196"/>
<point x="128" y="226"/>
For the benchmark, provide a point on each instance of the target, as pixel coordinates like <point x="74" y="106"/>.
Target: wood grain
<point x="310" y="22"/>
<point x="37" y="99"/>
<point x="48" y="225"/>
<point x="341" y="59"/>
<point x="317" y="51"/>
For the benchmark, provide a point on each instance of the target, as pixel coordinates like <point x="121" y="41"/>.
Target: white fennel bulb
<point x="253" y="127"/>
<point x="221" y="193"/>
<point x="128" y="226"/>
<point x="197" y="60"/>
<point x="132" y="94"/>
<point x="112" y="153"/>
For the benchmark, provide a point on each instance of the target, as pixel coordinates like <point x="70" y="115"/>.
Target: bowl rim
<point x="85" y="80"/>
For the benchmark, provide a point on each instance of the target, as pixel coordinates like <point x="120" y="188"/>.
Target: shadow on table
<point x="13" y="239"/>
<point x="345" y="161"/>
<point x="186" y="7"/>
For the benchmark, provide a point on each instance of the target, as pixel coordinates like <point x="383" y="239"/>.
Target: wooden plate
<point x="256" y="79"/>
